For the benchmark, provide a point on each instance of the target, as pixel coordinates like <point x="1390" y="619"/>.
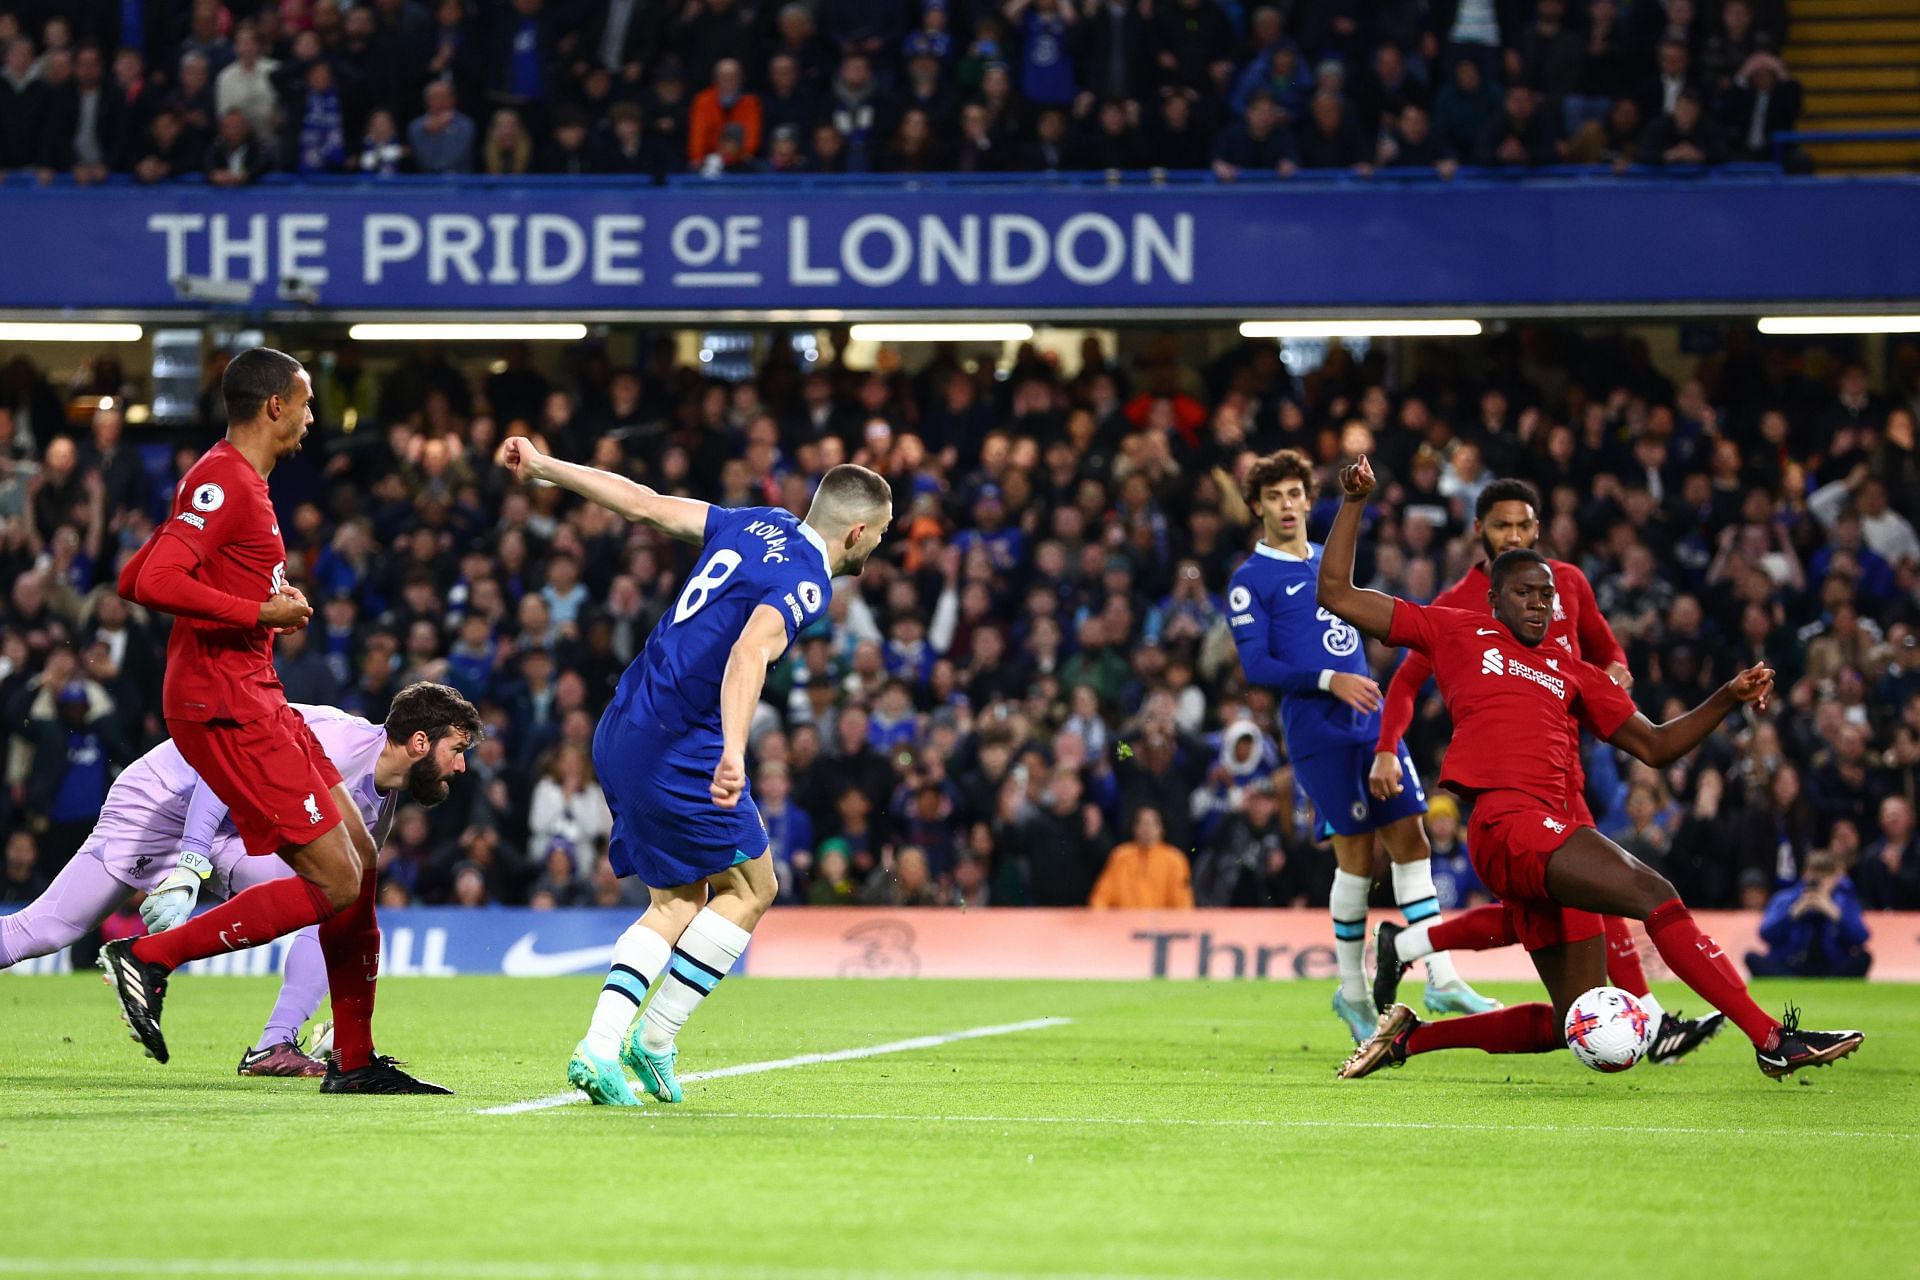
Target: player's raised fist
<point x="1754" y="685"/>
<point x="1356" y="479"/>
<point x="521" y="458"/>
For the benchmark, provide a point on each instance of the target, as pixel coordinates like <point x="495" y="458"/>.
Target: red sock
<point x="1623" y="957"/>
<point x="1698" y="961"/>
<point x="1521" y="1028"/>
<point x="1485" y="928"/>
<point x="261" y="914"/>
<point x="350" y="942"/>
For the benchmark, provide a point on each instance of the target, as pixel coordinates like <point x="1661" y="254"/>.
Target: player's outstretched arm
<point x="681" y="518"/>
<point x="1661" y="744"/>
<point x="1370" y="611"/>
<point x="761" y="642"/>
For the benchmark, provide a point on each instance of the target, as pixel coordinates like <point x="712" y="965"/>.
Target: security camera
<point x="299" y="289"/>
<point x="207" y="289"/>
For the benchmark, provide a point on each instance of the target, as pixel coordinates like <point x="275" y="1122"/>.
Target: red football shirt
<point x="1513" y="706"/>
<point x="223" y="533"/>
<point x="1577" y="626"/>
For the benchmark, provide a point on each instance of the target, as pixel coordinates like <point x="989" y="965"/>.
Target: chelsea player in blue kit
<point x="671" y="748"/>
<point x="1330" y="711"/>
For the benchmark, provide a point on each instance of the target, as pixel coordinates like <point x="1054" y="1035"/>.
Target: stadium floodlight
<point x="504" y="332"/>
<point x="1789" y="326"/>
<point x="986" y="332"/>
<point x="67" y="331"/>
<point x="1357" y="327"/>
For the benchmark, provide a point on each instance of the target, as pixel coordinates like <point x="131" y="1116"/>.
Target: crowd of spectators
<point x="1031" y="695"/>
<point x="229" y="91"/>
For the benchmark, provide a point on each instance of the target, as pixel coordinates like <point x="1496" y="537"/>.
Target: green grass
<point x="1172" y="1129"/>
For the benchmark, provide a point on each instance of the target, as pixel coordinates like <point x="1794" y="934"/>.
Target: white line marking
<point x="802" y="1060"/>
<point x="452" y="1269"/>
<point x="716" y="279"/>
<point x="678" y="1116"/>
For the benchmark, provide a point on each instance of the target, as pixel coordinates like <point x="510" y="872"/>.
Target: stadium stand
<point x="1039" y="651"/>
<point x="148" y="93"/>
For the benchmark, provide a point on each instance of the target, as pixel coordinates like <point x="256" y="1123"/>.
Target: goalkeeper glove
<point x="173" y="899"/>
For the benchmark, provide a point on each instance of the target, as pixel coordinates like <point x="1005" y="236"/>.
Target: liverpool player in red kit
<point x="218" y="565"/>
<point x="1513" y="699"/>
<point x="1506" y="518"/>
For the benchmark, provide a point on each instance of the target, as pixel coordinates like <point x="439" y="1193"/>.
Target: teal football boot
<point x="654" y="1069"/>
<point x="601" y="1080"/>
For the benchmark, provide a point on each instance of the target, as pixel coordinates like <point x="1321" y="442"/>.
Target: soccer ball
<point x="322" y="1044"/>
<point x="1608" y="1029"/>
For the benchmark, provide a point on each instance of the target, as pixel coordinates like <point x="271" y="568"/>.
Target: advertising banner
<point x="1029" y="249"/>
<point x="854" y="942"/>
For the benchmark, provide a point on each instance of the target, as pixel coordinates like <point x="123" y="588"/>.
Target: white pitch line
<point x="1230" y="1122"/>
<point x="451" y="1269"/>
<point x="800" y="1060"/>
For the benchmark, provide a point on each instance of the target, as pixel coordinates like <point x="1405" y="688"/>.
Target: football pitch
<point x="1134" y="1130"/>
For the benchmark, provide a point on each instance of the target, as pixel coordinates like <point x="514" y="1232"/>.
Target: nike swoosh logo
<point x="523" y="961"/>
<point x="1482" y="631"/>
<point x="1295" y="588"/>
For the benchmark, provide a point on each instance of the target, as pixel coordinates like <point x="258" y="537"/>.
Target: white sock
<point x="638" y="958"/>
<point x="1349" y="906"/>
<point x="1652" y="1006"/>
<point x="1412" y="944"/>
<point x="1413" y="892"/>
<point x="704" y="954"/>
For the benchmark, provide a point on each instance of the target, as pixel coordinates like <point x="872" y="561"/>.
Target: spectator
<point x="1329" y="139"/>
<point x="1763" y="99"/>
<point x="85" y="131"/>
<point x="246" y="84"/>
<point x="1046" y="65"/>
<point x="1113" y="142"/>
<point x="382" y="153"/>
<point x="1145" y="872"/>
<point x="1888" y="874"/>
<point x="21" y="879"/>
<point x="1518" y="135"/>
<point x="632" y="149"/>
<point x="520" y="61"/>
<point x="1673" y="78"/>
<point x="725" y="102"/>
<point x="168" y="150"/>
<point x="236" y="157"/>
<point x="568" y="804"/>
<point x="1813" y="929"/>
<point x="1256" y="143"/>
<point x="833" y="885"/>
<point x="904" y="884"/>
<point x="508" y="149"/>
<point x="790" y="103"/>
<point x="1465" y="108"/>
<point x="75" y="744"/>
<point x="1410" y="143"/>
<point x="318" y="141"/>
<point x="442" y="138"/>
<point x="1685" y="136"/>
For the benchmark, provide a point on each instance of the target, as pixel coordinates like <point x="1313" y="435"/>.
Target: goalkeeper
<point x="164" y="833"/>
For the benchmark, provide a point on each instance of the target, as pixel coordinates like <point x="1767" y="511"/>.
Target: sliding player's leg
<point x="1569" y="954"/>
<point x="1406" y="840"/>
<point x="1591" y="873"/>
<point x="708" y="948"/>
<point x="80" y="897"/>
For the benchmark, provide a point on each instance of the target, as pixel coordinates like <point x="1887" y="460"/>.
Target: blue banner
<point x="1029" y="250"/>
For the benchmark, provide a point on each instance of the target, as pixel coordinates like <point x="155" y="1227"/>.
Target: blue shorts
<point x="1336" y="781"/>
<point x="666" y="828"/>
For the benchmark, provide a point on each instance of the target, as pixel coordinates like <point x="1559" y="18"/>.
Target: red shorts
<point x="1510" y="837"/>
<point x="271" y="773"/>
